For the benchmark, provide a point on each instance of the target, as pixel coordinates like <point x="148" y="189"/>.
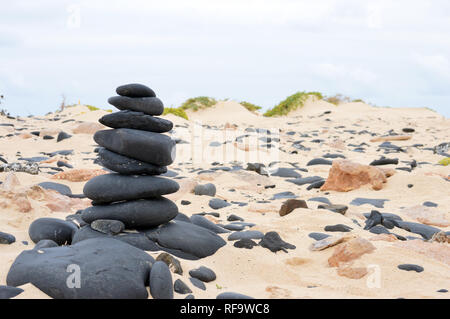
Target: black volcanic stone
<point x="62" y="136"/>
<point x="385" y="161"/>
<point x="58" y="230"/>
<point x="274" y="243"/>
<point x="203" y="273"/>
<point x="8" y="292"/>
<point x="137" y="121"/>
<point x="319" y="161"/>
<point x="425" y="231"/>
<point x="205" y="223"/>
<point x="245" y="243"/>
<point x="141" y="213"/>
<point x="286" y="172"/>
<point x="149" y="147"/>
<point x="127" y="166"/>
<point x="180" y="287"/>
<point x="138" y="240"/>
<point x="341" y="209"/>
<point x="135" y="90"/>
<point x="217" y="203"/>
<point x="6" y="238"/>
<point x="108" y="269"/>
<point x="338" y="228"/>
<point x="375" y="218"/>
<point x="379" y="203"/>
<point x="232" y="295"/>
<point x="161" y="286"/>
<point x="206" y="189"/>
<point x="185" y="240"/>
<point x="147" y="105"/>
<point x="248" y="234"/>
<point x="197" y="283"/>
<point x="305" y="180"/>
<point x="109" y="188"/>
<point x="430" y="204"/>
<point x="108" y="226"/>
<point x="410" y="267"/>
<point x="60" y="188"/>
<point x="317" y="184"/>
<point x="318" y="236"/>
<point x="45" y="243"/>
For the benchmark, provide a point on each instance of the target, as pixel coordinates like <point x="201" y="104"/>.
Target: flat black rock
<point x="8" y="292"/>
<point x="180" y="287"/>
<point x="379" y="203"/>
<point x="203" y="273"/>
<point x="136" y="239"/>
<point x="149" y="147"/>
<point x="375" y="218"/>
<point x="161" y="286"/>
<point x="6" y="238"/>
<point x="305" y="180"/>
<point x="232" y="295"/>
<point x="62" y="136"/>
<point x="286" y="172"/>
<point x="107" y="269"/>
<point x="245" y="243"/>
<point x="205" y="223"/>
<point x="143" y="213"/>
<point x="425" y="231"/>
<point x="135" y="90"/>
<point x="385" y="161"/>
<point x="186" y="240"/>
<point x="58" y="230"/>
<point x="338" y="228"/>
<point x="340" y="209"/>
<point x="248" y="234"/>
<point x="110" y="188"/>
<point x="319" y="161"/>
<point x="274" y="243"/>
<point x="318" y="236"/>
<point x="217" y="203"/>
<point x="197" y="283"/>
<point x="60" y="188"/>
<point x="127" y="166"/>
<point x="410" y="267"/>
<point x="147" y="105"/>
<point x="137" y="121"/>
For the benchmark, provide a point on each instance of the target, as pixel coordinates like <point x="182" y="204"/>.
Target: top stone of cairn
<point x="135" y="90"/>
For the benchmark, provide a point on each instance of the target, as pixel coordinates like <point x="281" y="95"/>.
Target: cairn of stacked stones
<point x="136" y="151"/>
<point x="132" y="196"/>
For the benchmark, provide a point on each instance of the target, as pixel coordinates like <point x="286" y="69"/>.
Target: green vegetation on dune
<point x="250" y="106"/>
<point x="445" y="161"/>
<point x="197" y="103"/>
<point x="92" y="108"/>
<point x="291" y="103"/>
<point x="176" y="111"/>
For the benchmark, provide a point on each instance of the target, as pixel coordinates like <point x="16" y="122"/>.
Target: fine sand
<point x="258" y="272"/>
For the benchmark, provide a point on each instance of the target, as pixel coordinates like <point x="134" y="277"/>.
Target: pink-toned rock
<point x="383" y="237"/>
<point x="345" y="176"/>
<point x="79" y="175"/>
<point x="50" y="131"/>
<point x="346" y="270"/>
<point x="88" y="128"/>
<point x="187" y="186"/>
<point x="14" y="201"/>
<point x="350" y="251"/>
<point x="435" y="250"/>
<point x="428" y="216"/>
<point x="25" y="136"/>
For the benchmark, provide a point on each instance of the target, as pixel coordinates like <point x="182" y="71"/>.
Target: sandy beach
<point x="226" y="135"/>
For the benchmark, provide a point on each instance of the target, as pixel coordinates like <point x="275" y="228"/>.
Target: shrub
<point x="92" y="108"/>
<point x="175" y="111"/>
<point x="337" y="99"/>
<point x="251" y="107"/>
<point x="197" y="103"/>
<point x="291" y="103"/>
<point x="445" y="161"/>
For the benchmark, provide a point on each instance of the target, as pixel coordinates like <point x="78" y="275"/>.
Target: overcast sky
<point x="389" y="53"/>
